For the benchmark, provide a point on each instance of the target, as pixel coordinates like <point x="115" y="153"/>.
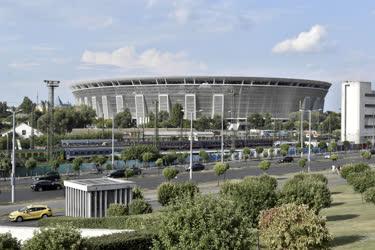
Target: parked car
<point x="45" y="185"/>
<point x="372" y="151"/>
<point x="286" y="159"/>
<point x="51" y="176"/>
<point x="30" y="212"/>
<point x="120" y="173"/>
<point x="196" y="167"/>
<point x="327" y="156"/>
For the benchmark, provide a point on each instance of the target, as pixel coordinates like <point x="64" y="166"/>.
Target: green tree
<point x="170" y="158"/>
<point x="170" y="193"/>
<point x="256" y="121"/>
<point x="246" y="153"/>
<point x="302" y="163"/>
<point x="259" y="151"/>
<point x="366" y="155"/>
<point x="334" y="157"/>
<point x="139" y="206"/>
<point x="204" y="155"/>
<point x="116" y="209"/>
<point x="265" y="154"/>
<point x="346" y="145"/>
<point x="264" y="165"/>
<point x="369" y="195"/>
<point x="55" y="164"/>
<point x="59" y="237"/>
<point x="216" y="123"/>
<point x="5" y="164"/>
<point x="137" y="193"/>
<point x="7" y="242"/>
<point x="220" y="169"/>
<point x="77" y="162"/>
<point x="272" y="152"/>
<point x="353" y="168"/>
<point x="147" y="157"/>
<point x="169" y="173"/>
<point x="176" y="115"/>
<point x="292" y="226"/>
<point x="322" y="145"/>
<point x="136" y="152"/>
<point x="207" y="222"/>
<point x="31" y="164"/>
<point x="124" y="119"/>
<point x="26" y="105"/>
<point x="159" y="162"/>
<point x="202" y="123"/>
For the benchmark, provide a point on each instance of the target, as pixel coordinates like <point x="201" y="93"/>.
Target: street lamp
<point x="12" y="180"/>
<point x="113" y="140"/>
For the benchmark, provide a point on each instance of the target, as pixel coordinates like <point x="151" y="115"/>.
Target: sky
<point x="90" y="39"/>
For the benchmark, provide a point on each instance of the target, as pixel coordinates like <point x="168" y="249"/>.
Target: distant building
<point x="357" y="112"/>
<point x="24" y="131"/>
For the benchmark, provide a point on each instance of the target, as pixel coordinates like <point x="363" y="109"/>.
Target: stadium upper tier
<point x="237" y="97"/>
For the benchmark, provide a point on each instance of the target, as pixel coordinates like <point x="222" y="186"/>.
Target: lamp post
<point x="113" y="141"/>
<point x="13" y="173"/>
<point x="309" y="154"/>
<point x="222" y="133"/>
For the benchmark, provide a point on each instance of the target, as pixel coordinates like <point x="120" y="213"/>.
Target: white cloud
<point x="23" y="65"/>
<point x="93" y="22"/>
<point x="305" y="41"/>
<point x="151" y="60"/>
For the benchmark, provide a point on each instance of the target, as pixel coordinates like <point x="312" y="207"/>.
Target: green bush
<point x="170" y="192"/>
<point x="128" y="240"/>
<point x="139" y="206"/>
<point x="302" y="162"/>
<point x="361" y="181"/>
<point x="293" y="227"/>
<point x="148" y="222"/>
<point x="59" y="237"/>
<point x="315" y="194"/>
<point x="264" y="165"/>
<point x="7" y="242"/>
<point x="356" y="168"/>
<point x="366" y="155"/>
<point x="169" y="173"/>
<point x="317" y="177"/>
<point x="206" y="222"/>
<point x="369" y="195"/>
<point x="137" y="193"/>
<point x="220" y="169"/>
<point x="129" y="172"/>
<point x="251" y="196"/>
<point x="115" y="209"/>
<point x="266" y="179"/>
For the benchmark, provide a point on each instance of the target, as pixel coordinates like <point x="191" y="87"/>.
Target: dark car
<point x="286" y="159"/>
<point x="49" y="176"/>
<point x="45" y="185"/>
<point x="120" y="173"/>
<point x="196" y="167"/>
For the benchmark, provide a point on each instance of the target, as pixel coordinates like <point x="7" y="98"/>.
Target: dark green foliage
<point x="369" y="195"/>
<point x="251" y="196"/>
<point x="77" y="162"/>
<point x="293" y="226"/>
<point x="206" y="222"/>
<point x="137" y="193"/>
<point x="137" y="222"/>
<point x="171" y="192"/>
<point x="115" y="209"/>
<point x="59" y="237"/>
<point x="169" y="173"/>
<point x="284" y="147"/>
<point x="361" y="181"/>
<point x="176" y="115"/>
<point x="204" y="155"/>
<point x="264" y="165"/>
<point x="170" y="158"/>
<point x="302" y="162"/>
<point x="366" y="155"/>
<point x="136" y="152"/>
<point x="317" y="177"/>
<point x="117" y="241"/>
<point x="139" y="206"/>
<point x="124" y="119"/>
<point x="353" y="168"/>
<point x="7" y="242"/>
<point x="129" y="172"/>
<point x="310" y="191"/>
<point x="269" y="180"/>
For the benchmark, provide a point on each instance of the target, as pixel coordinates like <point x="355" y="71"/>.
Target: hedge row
<point x="137" y="222"/>
<point x="127" y="240"/>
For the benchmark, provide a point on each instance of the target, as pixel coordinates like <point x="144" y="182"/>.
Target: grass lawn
<point x="351" y="222"/>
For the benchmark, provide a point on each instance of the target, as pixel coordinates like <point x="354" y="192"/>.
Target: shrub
<point x="302" y="162"/>
<point x="206" y="222"/>
<point x="259" y="150"/>
<point x="334" y="157"/>
<point x="139" y="206"/>
<point x="204" y="155"/>
<point x="361" y="181"/>
<point x="170" y="192"/>
<point x="366" y="155"/>
<point x="115" y="209"/>
<point x="292" y="226"/>
<point x="31" y="164"/>
<point x="369" y="195"/>
<point x="350" y="168"/>
<point x="265" y="154"/>
<point x="169" y="173"/>
<point x="59" y="237"/>
<point x="264" y="165"/>
<point x="269" y="180"/>
<point x="251" y="196"/>
<point x="129" y="172"/>
<point x="315" y="194"/>
<point x="220" y="169"/>
<point x="7" y="242"/>
<point x="128" y="240"/>
<point x="316" y="177"/>
<point x="159" y="162"/>
<point x="137" y="193"/>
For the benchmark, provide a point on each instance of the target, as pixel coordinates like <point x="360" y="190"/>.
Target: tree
<point x="285" y="148"/>
<point x="26" y="105"/>
<point x="207" y="222"/>
<point x="169" y="173"/>
<point x="369" y="195"/>
<point x="136" y="152"/>
<point x="366" y="155"/>
<point x="159" y="162"/>
<point x="116" y="209"/>
<point x="139" y="206"/>
<point x="170" y="193"/>
<point x="77" y="162"/>
<point x="202" y="123"/>
<point x="267" y="121"/>
<point x="204" y="155"/>
<point x="332" y="147"/>
<point x="147" y="157"/>
<point x="264" y="165"/>
<point x="31" y="164"/>
<point x="246" y="152"/>
<point x="361" y="181"/>
<point x="256" y="121"/>
<point x="302" y="163"/>
<point x="272" y="152"/>
<point x="353" y="168"/>
<point x="346" y="145"/>
<point x="170" y="158"/>
<point x="259" y="150"/>
<point x="250" y="196"/>
<point x="55" y="164"/>
<point x="216" y="123"/>
<point x="315" y="194"/>
<point x="322" y="145"/>
<point x="58" y="237"/>
<point x="292" y="226"/>
<point x="220" y="169"/>
<point x="5" y="164"/>
<point x="334" y="157"/>
<point x="265" y="154"/>
<point x="7" y="242"/>
<point x="176" y="115"/>
<point x="137" y="193"/>
<point x="124" y="119"/>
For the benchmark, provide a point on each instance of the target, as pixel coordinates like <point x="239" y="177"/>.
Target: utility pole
<point x="156" y="124"/>
<point x="222" y="131"/>
<point x="301" y="125"/>
<point x="51" y="103"/>
<point x="113" y="141"/>
<point x="191" y="146"/>
<point x="309" y="154"/>
<point x="13" y="173"/>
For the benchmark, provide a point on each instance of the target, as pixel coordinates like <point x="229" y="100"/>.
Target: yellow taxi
<point x="30" y="212"/>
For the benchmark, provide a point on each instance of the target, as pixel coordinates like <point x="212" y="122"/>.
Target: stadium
<point x="237" y="97"/>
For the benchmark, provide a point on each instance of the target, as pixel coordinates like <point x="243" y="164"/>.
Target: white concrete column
<point x="66" y="201"/>
<point x="88" y="204"/>
<point x="116" y="196"/>
<point x="120" y="190"/>
<point x="105" y="202"/>
<point x="95" y="204"/>
<point x="101" y="203"/>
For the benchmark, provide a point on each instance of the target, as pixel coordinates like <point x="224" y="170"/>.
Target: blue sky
<point x="88" y="39"/>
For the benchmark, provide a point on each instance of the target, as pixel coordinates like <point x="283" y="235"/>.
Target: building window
<point x="23" y="132"/>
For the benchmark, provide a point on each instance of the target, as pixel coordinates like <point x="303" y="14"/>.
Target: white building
<point x="357" y="112"/>
<point x="24" y="131"/>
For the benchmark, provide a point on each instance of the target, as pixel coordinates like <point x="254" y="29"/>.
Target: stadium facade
<point x="237" y="97"/>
